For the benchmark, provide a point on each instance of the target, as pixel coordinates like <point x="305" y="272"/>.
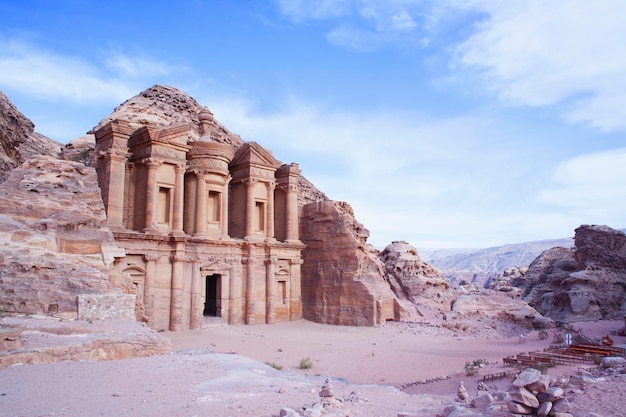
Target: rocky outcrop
<point x="54" y="241"/>
<point x="343" y="279"/>
<point x="18" y="139"/>
<point x="161" y="106"/>
<point x="586" y="283"/>
<point x="413" y="279"/>
<point x="48" y="340"/>
<point x="496" y="304"/>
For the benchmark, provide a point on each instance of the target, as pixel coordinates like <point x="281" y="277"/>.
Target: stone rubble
<point x="535" y="394"/>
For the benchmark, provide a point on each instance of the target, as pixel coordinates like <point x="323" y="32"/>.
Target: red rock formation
<point x="342" y="277"/>
<point x="55" y="245"/>
<point x="413" y="279"/>
<point x="18" y="139"/>
<point x="587" y="283"/>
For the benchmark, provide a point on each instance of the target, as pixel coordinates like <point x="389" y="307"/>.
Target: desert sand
<point x="221" y="371"/>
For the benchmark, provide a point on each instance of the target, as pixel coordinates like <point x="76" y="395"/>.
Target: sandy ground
<point x="220" y="371"/>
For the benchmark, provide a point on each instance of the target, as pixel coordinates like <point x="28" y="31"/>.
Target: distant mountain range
<point x="479" y="266"/>
<point x="491" y="260"/>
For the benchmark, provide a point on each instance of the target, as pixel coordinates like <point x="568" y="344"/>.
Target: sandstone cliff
<point x="18" y="139"/>
<point x="585" y="283"/>
<point x="55" y="243"/>
<point x="343" y="279"/>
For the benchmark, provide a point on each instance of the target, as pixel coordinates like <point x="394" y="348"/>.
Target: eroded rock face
<point x="496" y="304"/>
<point x="587" y="283"/>
<point x="18" y="139"/>
<point x="54" y="242"/>
<point x="413" y="279"/>
<point x="162" y="106"/>
<point x="342" y="278"/>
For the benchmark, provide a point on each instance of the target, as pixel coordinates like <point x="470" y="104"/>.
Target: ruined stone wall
<point x="106" y="307"/>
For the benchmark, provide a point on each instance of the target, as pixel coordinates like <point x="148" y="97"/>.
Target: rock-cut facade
<point x="208" y="228"/>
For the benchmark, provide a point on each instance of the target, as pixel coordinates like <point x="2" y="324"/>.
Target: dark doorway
<point x="212" y="295"/>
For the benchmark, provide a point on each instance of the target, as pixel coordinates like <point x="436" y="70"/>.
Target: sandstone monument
<point x="181" y="220"/>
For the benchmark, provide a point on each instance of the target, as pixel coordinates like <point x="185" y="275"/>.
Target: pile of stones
<point x="531" y="394"/>
<point x="323" y="407"/>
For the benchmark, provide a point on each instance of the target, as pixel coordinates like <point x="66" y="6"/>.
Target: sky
<point x="446" y="124"/>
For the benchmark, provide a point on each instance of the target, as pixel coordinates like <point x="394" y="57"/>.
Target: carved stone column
<point x="250" y="207"/>
<point x="148" y="289"/>
<point x="201" y="202"/>
<point x="292" y="213"/>
<point x="269" y="215"/>
<point x="115" y="196"/>
<point x="149" y="225"/>
<point x="250" y="307"/>
<point x="196" y="307"/>
<point x="270" y="290"/>
<point x="179" y="196"/>
<point x="224" y="209"/>
<point x="295" y="291"/>
<point x="235" y="314"/>
<point x="176" y="299"/>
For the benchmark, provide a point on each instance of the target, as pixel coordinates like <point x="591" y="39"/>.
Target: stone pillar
<point x="234" y="293"/>
<point x="224" y="209"/>
<point x="270" y="290"/>
<point x="176" y="299"/>
<point x="201" y="202"/>
<point x="196" y="308"/>
<point x="148" y="289"/>
<point x="295" y="291"/>
<point x="250" y="207"/>
<point x="115" y="196"/>
<point x="179" y="196"/>
<point x="292" y="213"/>
<point x="250" y="307"/>
<point x="149" y="225"/>
<point x="269" y="214"/>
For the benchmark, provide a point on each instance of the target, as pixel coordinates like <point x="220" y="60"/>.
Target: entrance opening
<point x="212" y="304"/>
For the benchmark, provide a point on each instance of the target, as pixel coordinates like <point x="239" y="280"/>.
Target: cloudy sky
<point x="447" y="123"/>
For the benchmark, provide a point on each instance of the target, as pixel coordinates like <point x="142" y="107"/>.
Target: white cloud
<point x="542" y="53"/>
<point x="407" y="176"/>
<point x="591" y="187"/>
<point x="53" y="76"/>
<point x="568" y="54"/>
<point x="363" y="25"/>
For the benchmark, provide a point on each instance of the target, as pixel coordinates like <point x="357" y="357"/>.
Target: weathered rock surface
<point x="413" y="279"/>
<point x="587" y="283"/>
<point x="496" y="304"/>
<point x="54" y="241"/>
<point x="163" y="106"/>
<point x="47" y="340"/>
<point x="18" y="139"/>
<point x="344" y="278"/>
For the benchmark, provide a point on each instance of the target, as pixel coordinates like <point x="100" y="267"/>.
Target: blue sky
<point x="443" y="123"/>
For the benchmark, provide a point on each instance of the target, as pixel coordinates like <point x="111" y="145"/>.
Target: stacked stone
<point x="327" y="395"/>
<point x="532" y="395"/>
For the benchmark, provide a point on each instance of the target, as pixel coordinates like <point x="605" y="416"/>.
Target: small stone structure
<point x="111" y="306"/>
